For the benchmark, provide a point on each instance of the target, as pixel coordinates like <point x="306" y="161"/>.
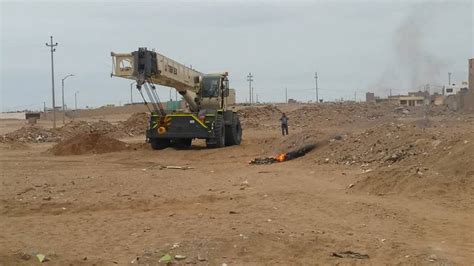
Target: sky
<point x="354" y="46"/>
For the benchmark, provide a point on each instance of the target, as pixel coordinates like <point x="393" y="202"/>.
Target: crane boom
<point x="162" y="71"/>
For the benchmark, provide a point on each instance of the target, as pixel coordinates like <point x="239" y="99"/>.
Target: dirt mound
<point x="294" y="141"/>
<point x="386" y="144"/>
<point x="253" y="117"/>
<point x="77" y="127"/>
<point x="413" y="158"/>
<point x="448" y="173"/>
<point x="36" y="134"/>
<point x="135" y="124"/>
<point x="31" y="134"/>
<point x="336" y="114"/>
<point x="87" y="143"/>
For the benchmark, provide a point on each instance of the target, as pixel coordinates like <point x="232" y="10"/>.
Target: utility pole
<point x="62" y="94"/>
<point x="253" y="99"/>
<point x="131" y="92"/>
<point x="75" y="100"/>
<point x="51" y="45"/>
<point x="355" y="96"/>
<point x="44" y="108"/>
<point x="257" y="98"/>
<point x="250" y="79"/>
<point x="316" y="79"/>
<point x="286" y="95"/>
<point x="449" y="79"/>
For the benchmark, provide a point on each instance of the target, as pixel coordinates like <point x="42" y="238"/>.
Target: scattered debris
<point x="179" y="257"/>
<point x="24" y="256"/>
<point x="433" y="258"/>
<point x="165" y="259"/>
<point x="350" y="254"/>
<point x="245" y="183"/>
<point x="175" y="167"/>
<point x="201" y="258"/>
<point x="42" y="258"/>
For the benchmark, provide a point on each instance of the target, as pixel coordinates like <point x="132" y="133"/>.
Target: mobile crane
<point x="206" y="96"/>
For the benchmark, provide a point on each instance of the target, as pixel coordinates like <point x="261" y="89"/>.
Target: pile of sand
<point x="36" y="134"/>
<point x="253" y="117"/>
<point x="136" y="124"/>
<point x="88" y="143"/>
<point x="413" y="158"/>
<point x="387" y="144"/>
<point x="77" y="127"/>
<point x="336" y="114"/>
<point x="448" y="173"/>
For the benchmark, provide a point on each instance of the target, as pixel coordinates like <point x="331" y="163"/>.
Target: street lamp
<point x="64" y="109"/>
<point x="75" y="100"/>
<point x="131" y="89"/>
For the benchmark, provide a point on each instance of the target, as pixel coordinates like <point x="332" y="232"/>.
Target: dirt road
<point x="121" y="208"/>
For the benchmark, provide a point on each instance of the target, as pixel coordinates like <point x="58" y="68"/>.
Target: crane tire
<point x="218" y="140"/>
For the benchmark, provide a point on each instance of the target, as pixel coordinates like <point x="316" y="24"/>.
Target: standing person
<point x="284" y="124"/>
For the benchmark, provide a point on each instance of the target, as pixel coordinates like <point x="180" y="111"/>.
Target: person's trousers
<point x="284" y="129"/>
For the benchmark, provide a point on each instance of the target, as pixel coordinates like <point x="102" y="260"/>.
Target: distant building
<point x="292" y="101"/>
<point x="424" y="94"/>
<point x="411" y="100"/>
<point x="370" y="97"/>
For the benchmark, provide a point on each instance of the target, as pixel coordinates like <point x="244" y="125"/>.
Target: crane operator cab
<point x="214" y="91"/>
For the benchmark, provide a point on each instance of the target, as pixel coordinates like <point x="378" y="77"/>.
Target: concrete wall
<point x="370" y="97"/>
<point x="461" y="102"/>
<point x="20" y="116"/>
<point x="467" y="101"/>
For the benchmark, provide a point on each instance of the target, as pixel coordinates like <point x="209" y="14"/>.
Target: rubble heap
<point x="384" y="144"/>
<point x="135" y="124"/>
<point x="252" y="117"/>
<point x="28" y="134"/>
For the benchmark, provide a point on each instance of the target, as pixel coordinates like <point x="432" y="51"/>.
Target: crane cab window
<point x="210" y="87"/>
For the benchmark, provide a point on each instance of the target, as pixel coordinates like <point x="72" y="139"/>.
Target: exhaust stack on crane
<point x="206" y="96"/>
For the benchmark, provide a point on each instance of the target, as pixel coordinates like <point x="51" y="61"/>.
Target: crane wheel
<point x="233" y="132"/>
<point x="218" y="140"/>
<point x="159" y="144"/>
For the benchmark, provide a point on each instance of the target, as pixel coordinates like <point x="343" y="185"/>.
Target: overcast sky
<point x="355" y="46"/>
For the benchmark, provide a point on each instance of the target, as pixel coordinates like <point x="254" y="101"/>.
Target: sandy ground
<point x="120" y="208"/>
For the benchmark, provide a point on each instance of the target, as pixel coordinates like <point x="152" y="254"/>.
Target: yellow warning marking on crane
<point x="190" y="115"/>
